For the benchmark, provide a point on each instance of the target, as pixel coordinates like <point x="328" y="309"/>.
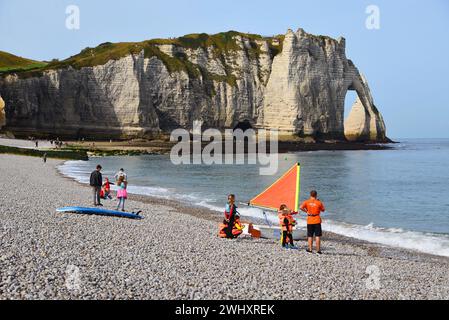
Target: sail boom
<point x="263" y="208"/>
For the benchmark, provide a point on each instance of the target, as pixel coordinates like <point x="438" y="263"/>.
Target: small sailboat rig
<point x="285" y="190"/>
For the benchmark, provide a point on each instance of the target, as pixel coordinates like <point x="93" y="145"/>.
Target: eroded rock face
<point x="2" y="113"/>
<point x="299" y="91"/>
<point x="307" y="86"/>
<point x="102" y="101"/>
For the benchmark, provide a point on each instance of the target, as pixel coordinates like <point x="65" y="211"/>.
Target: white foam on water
<point x="209" y="206"/>
<point x="424" y="242"/>
<point x="148" y="191"/>
<point x="71" y="169"/>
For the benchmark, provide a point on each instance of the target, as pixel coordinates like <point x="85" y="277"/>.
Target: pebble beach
<point x="174" y="252"/>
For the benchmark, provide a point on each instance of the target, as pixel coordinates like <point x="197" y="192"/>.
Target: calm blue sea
<point x="395" y="197"/>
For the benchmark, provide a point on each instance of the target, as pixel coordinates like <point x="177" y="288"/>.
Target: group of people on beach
<point x="102" y="190"/>
<point x="54" y="143"/>
<point x="231" y="226"/>
<point x="312" y="207"/>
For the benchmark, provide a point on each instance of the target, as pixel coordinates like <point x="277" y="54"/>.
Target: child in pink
<point x="122" y="194"/>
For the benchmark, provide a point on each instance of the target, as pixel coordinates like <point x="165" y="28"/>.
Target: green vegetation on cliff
<point x="222" y="45"/>
<point x="10" y="63"/>
<point x="224" y="42"/>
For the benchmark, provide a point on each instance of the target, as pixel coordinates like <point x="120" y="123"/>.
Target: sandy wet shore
<point x="26" y="144"/>
<point x="174" y="253"/>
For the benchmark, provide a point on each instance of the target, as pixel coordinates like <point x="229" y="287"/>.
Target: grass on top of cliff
<point x="222" y="44"/>
<point x="11" y="63"/>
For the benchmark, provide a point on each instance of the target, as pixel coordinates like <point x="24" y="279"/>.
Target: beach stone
<point x="161" y="257"/>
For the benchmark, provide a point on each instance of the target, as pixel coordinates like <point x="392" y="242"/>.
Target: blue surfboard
<point x="102" y="212"/>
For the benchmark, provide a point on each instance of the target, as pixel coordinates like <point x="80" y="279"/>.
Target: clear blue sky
<point x="406" y="61"/>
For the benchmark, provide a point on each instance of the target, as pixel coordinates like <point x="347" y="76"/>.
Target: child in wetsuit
<point x="287" y="222"/>
<point x="231" y="216"/>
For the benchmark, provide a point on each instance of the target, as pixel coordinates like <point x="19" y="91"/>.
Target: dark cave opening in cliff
<point x="243" y="125"/>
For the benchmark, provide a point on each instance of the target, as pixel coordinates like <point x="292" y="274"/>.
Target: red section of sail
<point x="283" y="191"/>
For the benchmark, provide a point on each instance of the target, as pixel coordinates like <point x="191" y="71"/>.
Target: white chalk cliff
<point x="296" y="83"/>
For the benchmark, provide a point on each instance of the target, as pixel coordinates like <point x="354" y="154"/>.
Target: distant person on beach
<point x="96" y="181"/>
<point x="122" y="194"/>
<point x="313" y="207"/>
<point x="121" y="173"/>
<point x="287" y="222"/>
<point x="36" y="143"/>
<point x="44" y="157"/>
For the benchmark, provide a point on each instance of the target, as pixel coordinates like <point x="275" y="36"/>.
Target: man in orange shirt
<point x="313" y="207"/>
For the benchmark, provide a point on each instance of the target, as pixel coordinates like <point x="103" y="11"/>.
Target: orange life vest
<point x="237" y="228"/>
<point x="290" y="221"/>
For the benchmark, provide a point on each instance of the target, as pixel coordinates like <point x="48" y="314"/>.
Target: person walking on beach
<point x="313" y="207"/>
<point x="44" y="157"/>
<point x="121" y="173"/>
<point x="96" y="182"/>
<point x="122" y="194"/>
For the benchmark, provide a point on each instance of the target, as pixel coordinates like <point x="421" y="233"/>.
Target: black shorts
<point x="314" y="230"/>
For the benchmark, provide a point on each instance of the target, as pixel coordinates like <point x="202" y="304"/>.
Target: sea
<point x="397" y="197"/>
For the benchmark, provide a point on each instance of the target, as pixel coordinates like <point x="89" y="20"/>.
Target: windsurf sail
<point x="285" y="190"/>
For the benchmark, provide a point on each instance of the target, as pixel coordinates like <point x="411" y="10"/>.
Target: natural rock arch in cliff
<point x="306" y="90"/>
<point x="364" y="122"/>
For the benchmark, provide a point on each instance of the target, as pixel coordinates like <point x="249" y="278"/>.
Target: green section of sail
<point x="298" y="187"/>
